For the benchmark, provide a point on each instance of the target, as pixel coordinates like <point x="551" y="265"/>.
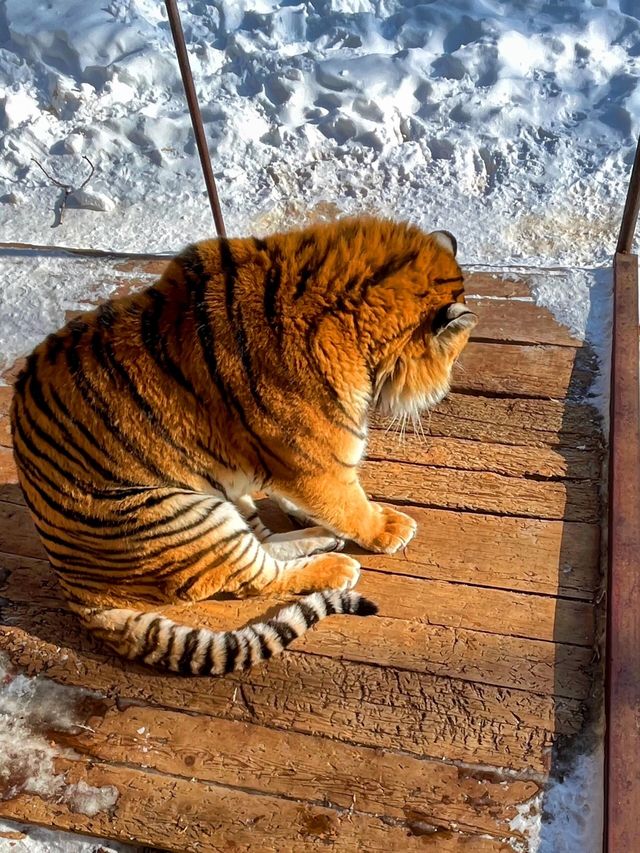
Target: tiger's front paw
<point x="395" y="531"/>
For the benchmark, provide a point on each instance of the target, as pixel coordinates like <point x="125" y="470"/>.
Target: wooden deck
<point x="429" y="726"/>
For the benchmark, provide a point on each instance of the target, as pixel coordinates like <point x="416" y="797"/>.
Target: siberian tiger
<point x="142" y="429"/>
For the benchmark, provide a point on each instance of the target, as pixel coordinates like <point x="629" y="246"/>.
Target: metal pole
<point x="631" y="208"/>
<point x="194" y="109"/>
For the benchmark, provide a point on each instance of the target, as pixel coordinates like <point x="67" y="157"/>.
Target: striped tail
<point x="158" y="641"/>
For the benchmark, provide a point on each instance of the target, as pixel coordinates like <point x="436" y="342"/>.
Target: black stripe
<point x="35" y="394"/>
<point x="190" y="645"/>
<point x="207" y="665"/>
<point x="193" y="559"/>
<point x="150" y="413"/>
<point x="271" y="289"/>
<point x="106" y="315"/>
<point x="154" y="341"/>
<point x="231" y="651"/>
<point x="234" y="317"/>
<point x="153" y="499"/>
<point x="309" y="614"/>
<point x="315" y="263"/>
<point x="265" y="650"/>
<point x="151" y="636"/>
<point x="285" y="632"/>
<point x="329" y="606"/>
<point x="91" y="439"/>
<point x="32" y="474"/>
<point x="392" y="267"/>
<point x="448" y="280"/>
<point x="100" y="407"/>
<point x="194" y="271"/>
<point x="164" y="660"/>
<point x="54" y="346"/>
<point x="193" y="580"/>
<point x="40" y="454"/>
<point x="97" y="494"/>
<point x="122" y="558"/>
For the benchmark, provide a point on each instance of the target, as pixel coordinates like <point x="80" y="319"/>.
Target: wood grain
<point x="424" y="715"/>
<point x="433" y="602"/>
<point x="511" y="421"/>
<point x="484" y="658"/>
<point x="467" y="455"/>
<point x="6" y="394"/>
<point x="524" y="371"/>
<point x="302" y="767"/>
<point x="549" y="557"/>
<point x="481" y="491"/>
<point x="514" y="321"/>
<point x="192" y="817"/>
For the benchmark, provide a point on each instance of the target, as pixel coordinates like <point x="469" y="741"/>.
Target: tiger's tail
<point x="158" y="641"/>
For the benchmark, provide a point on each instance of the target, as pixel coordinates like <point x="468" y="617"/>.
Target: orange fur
<point x="142" y="429"/>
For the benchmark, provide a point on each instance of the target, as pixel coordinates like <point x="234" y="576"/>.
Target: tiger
<point x="144" y="430"/>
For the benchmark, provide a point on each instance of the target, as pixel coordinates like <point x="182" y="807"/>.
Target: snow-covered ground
<point x="512" y="124"/>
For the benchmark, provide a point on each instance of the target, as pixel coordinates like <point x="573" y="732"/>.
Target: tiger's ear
<point x="452" y="319"/>
<point x="446" y="240"/>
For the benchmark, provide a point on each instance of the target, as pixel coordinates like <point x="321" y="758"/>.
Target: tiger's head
<point x="414" y="371"/>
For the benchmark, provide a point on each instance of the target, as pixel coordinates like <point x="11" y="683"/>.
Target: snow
<point x="512" y="124"/>
<point x="38" y="292"/>
<point x="23" y="838"/>
<point x="462" y="114"/>
<point x="567" y="817"/>
<point x="31" y="710"/>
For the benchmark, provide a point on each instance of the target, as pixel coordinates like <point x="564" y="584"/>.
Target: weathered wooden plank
<point x="513" y="421"/>
<point x="623" y="612"/>
<point x="530" y="555"/>
<point x="517" y="322"/>
<point x="5" y="402"/>
<point x="17" y="531"/>
<point x="185" y="816"/>
<point x="468" y="455"/>
<point x="8" y="472"/>
<point x="425" y="715"/>
<point x="479" y="491"/>
<point x="510" y="553"/>
<point x="500" y="285"/>
<point x="524" y="371"/>
<point x="484" y="658"/>
<point x="303" y="767"/>
<point x="434" y="602"/>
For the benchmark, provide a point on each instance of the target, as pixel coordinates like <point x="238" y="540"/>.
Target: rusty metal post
<point x="631" y="208"/>
<point x="194" y="110"/>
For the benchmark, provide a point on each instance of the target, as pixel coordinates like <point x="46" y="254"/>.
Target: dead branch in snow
<point x="67" y="189"/>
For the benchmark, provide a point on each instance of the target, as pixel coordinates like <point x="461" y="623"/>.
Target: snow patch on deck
<point x="31" y="711"/>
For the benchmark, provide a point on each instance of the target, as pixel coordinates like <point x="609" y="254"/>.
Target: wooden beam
<point x="515" y="370"/>
<point x="188" y="816"/>
<point x="433" y="602"/>
<point x="503" y="552"/>
<point x="302" y="767"/>
<point x="481" y="491"/>
<point x="362" y="704"/>
<point x="623" y="628"/>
